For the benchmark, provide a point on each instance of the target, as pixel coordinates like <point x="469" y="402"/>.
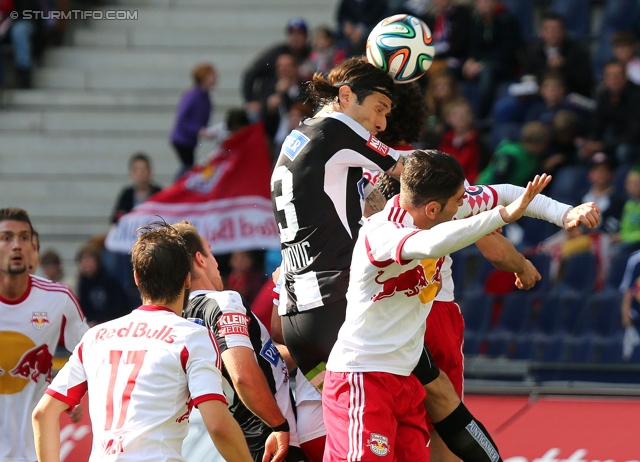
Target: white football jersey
<point x="144" y="372"/>
<point x="389" y="298"/>
<point x="29" y="334"/>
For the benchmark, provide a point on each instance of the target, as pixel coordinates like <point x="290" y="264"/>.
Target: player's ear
<point x="345" y="95"/>
<point x="432" y="209"/>
<point x="135" y="278"/>
<point x="198" y="258"/>
<point x="187" y="281"/>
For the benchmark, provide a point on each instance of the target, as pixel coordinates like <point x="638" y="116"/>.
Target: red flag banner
<point x="228" y="199"/>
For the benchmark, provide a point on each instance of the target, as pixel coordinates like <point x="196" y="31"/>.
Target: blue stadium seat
<point x="542" y="262"/>
<point x="498" y="343"/>
<point x="524" y="347"/>
<point x="579" y="349"/>
<point x="515" y="314"/>
<point x="576" y="14"/>
<point x="602" y="315"/>
<point x="523" y="11"/>
<point x="569" y="184"/>
<point x="609" y="350"/>
<point x="472" y="342"/>
<point x="476" y="309"/>
<point x="552" y="349"/>
<point x="579" y="273"/>
<point x="535" y="231"/>
<point x="558" y="313"/>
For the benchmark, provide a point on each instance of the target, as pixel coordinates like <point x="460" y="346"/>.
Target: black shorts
<point x="310" y="335"/>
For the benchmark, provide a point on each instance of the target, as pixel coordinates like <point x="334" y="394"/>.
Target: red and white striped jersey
<point x="29" y="333"/>
<point x="144" y="372"/>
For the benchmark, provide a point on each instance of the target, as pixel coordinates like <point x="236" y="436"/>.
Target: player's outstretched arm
<point x="516" y="209"/>
<point x="224" y="431"/>
<point x="503" y="255"/>
<point x="587" y="214"/>
<point x="46" y="428"/>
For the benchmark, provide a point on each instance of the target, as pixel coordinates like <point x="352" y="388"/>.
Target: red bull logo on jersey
<point x="378" y="146"/>
<point x="379" y="444"/>
<point x="34" y="363"/>
<point x="39" y="320"/>
<point x="409" y="282"/>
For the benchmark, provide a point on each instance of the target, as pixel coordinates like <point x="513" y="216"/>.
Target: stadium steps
<point x="113" y="90"/>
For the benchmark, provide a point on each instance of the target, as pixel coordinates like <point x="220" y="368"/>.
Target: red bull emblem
<point x="379" y="444"/>
<point x="34" y="363"/>
<point x="410" y="282"/>
<point x="39" y="320"/>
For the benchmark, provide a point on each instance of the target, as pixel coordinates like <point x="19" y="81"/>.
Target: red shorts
<point x="445" y="338"/>
<point x="374" y="416"/>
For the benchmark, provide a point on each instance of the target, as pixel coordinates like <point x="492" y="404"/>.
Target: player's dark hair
<point x="553" y="16"/>
<point x="35" y="238"/>
<point x="388" y="186"/>
<point x="191" y="237"/>
<point x="430" y="175"/>
<point x="161" y="261"/>
<point x="362" y="77"/>
<point x="139" y="156"/>
<point x="16" y="214"/>
<point x="406" y="120"/>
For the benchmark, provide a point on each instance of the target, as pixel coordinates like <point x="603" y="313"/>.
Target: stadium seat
<point x="476" y="309"/>
<point x="472" y="342"/>
<point x="602" y="315"/>
<point x="576" y="14"/>
<point x="552" y="349"/>
<point x="578" y="273"/>
<point x="523" y="348"/>
<point x="498" y="343"/>
<point x="579" y="349"/>
<point x="559" y="312"/>
<point x="523" y="12"/>
<point x="515" y="314"/>
<point x="569" y="184"/>
<point x="608" y="350"/>
<point x="535" y="231"/>
<point x="542" y="262"/>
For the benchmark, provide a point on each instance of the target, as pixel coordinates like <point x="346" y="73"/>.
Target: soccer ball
<point x="401" y="46"/>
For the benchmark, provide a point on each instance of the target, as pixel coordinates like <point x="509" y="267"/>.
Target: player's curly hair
<point x="161" y="262"/>
<point x="362" y="77"/>
<point x="406" y="120"/>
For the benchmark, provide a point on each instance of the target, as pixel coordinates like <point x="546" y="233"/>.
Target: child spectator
<point x="193" y="113"/>
<point x="243" y="278"/>
<point x="554" y="99"/>
<point x="441" y="89"/>
<point x="630" y="220"/>
<point x="101" y="296"/>
<point x="325" y="54"/>
<point x="623" y="44"/>
<point x="462" y="140"/>
<point x="52" y="269"/>
<point x="562" y="151"/>
<point x="517" y="162"/>
<point x="603" y="193"/>
<point x="141" y="187"/>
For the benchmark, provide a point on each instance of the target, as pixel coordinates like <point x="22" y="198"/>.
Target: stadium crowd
<point x="505" y="100"/>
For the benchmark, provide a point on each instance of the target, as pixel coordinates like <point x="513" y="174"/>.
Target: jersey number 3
<point x="136" y="358"/>
<point x="289" y="227"/>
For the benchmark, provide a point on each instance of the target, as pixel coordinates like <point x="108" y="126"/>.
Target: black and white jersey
<point x="316" y="188"/>
<point x="234" y="325"/>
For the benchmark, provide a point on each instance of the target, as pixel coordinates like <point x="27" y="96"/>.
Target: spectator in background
<point x="101" y="296"/>
<point x="492" y="54"/>
<point x="297" y="113"/>
<point x="21" y="32"/>
<point x="52" y="269"/>
<point x="193" y="113"/>
<point x="553" y="99"/>
<point x="244" y="278"/>
<point x="449" y="23"/>
<point x="629" y="236"/>
<point x="565" y="129"/>
<point x="279" y="93"/>
<point x="441" y="89"/>
<point x="602" y="192"/>
<point x="516" y="162"/>
<point x="325" y="54"/>
<point x="557" y="52"/>
<point x="615" y="123"/>
<point x="623" y="44"/>
<point x="141" y="187"/>
<point x="264" y="66"/>
<point x="630" y="288"/>
<point x="463" y="139"/>
<point x="356" y="18"/>
<point x="35" y="259"/>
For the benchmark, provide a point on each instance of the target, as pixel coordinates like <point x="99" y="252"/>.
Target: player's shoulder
<point x="51" y="288"/>
<point x="224" y="300"/>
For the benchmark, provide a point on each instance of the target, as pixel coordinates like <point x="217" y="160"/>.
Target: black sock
<point x="466" y="437"/>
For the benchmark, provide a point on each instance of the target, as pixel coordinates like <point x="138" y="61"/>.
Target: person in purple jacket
<point x="192" y="116"/>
